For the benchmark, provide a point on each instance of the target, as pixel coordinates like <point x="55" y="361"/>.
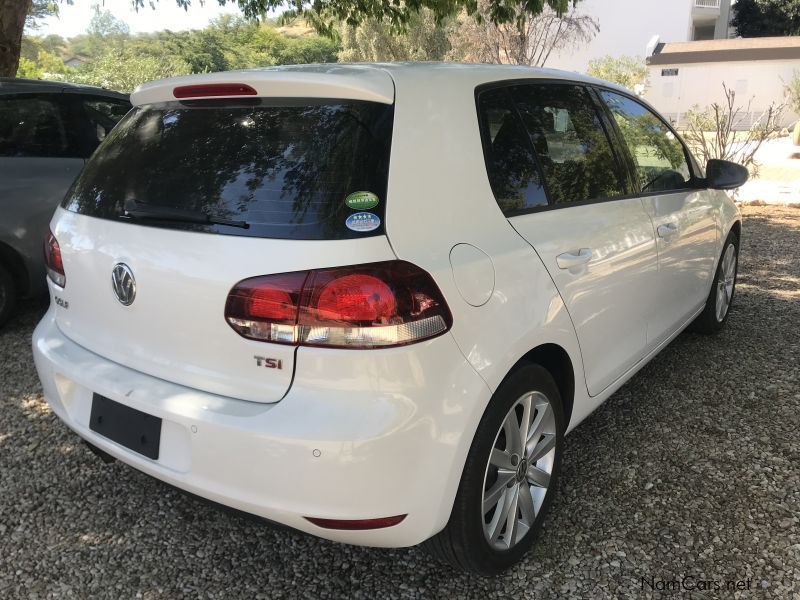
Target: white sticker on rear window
<point x="362" y="222"/>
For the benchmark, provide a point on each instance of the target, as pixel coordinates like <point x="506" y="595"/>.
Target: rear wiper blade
<point x="179" y="215"/>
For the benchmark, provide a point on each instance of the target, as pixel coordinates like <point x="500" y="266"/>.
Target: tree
<point x="324" y="15"/>
<point x="104" y="30"/>
<point x="104" y="23"/>
<point x="123" y="70"/>
<point x="374" y="40"/>
<point x="762" y="18"/>
<point x="627" y="71"/>
<point x="523" y="39"/>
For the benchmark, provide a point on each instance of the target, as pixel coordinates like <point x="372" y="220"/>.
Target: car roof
<point x="358" y="81"/>
<point x="14" y="85"/>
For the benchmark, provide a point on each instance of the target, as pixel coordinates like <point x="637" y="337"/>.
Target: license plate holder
<point x="126" y="426"/>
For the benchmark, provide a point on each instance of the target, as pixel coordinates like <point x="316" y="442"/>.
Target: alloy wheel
<point x="726" y="281"/>
<point x="518" y="471"/>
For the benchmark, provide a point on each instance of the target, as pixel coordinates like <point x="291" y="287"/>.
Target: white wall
<point x="626" y="26"/>
<point x="701" y="84"/>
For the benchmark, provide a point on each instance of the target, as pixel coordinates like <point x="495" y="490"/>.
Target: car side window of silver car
<point x="31" y="125"/>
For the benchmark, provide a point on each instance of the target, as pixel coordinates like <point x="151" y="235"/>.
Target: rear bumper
<point x="361" y="434"/>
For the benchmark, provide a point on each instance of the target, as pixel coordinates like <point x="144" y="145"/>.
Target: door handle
<point x="568" y="260"/>
<point x="667" y="230"/>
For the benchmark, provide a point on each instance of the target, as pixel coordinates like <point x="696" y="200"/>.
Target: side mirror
<point x="725" y="175"/>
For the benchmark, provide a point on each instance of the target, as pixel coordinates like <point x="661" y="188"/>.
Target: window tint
<point x="285" y="167"/>
<point x="570" y="143"/>
<point x="510" y="163"/>
<point x="31" y="125"/>
<point x="103" y="114"/>
<point x="657" y="154"/>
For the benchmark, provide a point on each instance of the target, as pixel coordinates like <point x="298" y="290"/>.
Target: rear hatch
<point x="193" y="196"/>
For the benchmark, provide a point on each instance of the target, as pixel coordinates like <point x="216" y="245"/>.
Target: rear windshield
<point x="291" y="169"/>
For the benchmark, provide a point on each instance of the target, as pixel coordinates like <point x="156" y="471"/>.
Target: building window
<point x="669" y="72"/>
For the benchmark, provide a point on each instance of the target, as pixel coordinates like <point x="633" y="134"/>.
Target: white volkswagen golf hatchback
<point x="368" y="301"/>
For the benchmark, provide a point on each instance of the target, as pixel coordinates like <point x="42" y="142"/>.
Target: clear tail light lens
<point x="364" y="306"/>
<point x="52" y="260"/>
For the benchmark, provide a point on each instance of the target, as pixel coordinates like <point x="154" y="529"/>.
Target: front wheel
<point x="509" y="476"/>
<point x="720" y="298"/>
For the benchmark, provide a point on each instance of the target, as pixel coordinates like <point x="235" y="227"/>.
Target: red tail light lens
<point x="265" y="308"/>
<point x="365" y="306"/>
<point x="211" y="90"/>
<point x="52" y="260"/>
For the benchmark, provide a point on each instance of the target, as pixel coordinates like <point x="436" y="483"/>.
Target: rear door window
<point x="292" y="169"/>
<point x="658" y="156"/>
<point x="570" y="142"/>
<point x="32" y="125"/>
<point x="510" y="164"/>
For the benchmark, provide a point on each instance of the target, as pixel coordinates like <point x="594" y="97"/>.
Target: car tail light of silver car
<point x="52" y="260"/>
<point x="374" y="305"/>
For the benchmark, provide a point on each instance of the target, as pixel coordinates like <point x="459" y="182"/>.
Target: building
<point x="627" y="28"/>
<point x="686" y="74"/>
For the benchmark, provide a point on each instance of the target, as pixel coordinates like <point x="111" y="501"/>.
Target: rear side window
<point x="658" y="156"/>
<point x="570" y="142"/>
<point x="510" y="164"/>
<point x="31" y="125"/>
<point x="102" y="115"/>
<point x="290" y="169"/>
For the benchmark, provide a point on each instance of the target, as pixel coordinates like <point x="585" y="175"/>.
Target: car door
<point x="684" y="219"/>
<point x="38" y="163"/>
<point x="597" y="244"/>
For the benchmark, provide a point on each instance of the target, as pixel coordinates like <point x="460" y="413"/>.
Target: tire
<point x="8" y="295"/>
<point x="465" y="542"/>
<point x="714" y="316"/>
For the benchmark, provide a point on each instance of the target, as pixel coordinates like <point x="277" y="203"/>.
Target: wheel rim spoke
<point x="513" y="439"/>
<point x="493" y="496"/>
<point x="512" y="521"/>
<point x="525" y="422"/>
<point x="537" y="476"/>
<point x="542" y="411"/>
<point x="502" y="460"/>
<point x="501" y="517"/>
<point x="526" y="506"/>
<point x="540" y="447"/>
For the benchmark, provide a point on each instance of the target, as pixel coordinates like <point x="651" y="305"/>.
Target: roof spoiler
<point x="350" y="82"/>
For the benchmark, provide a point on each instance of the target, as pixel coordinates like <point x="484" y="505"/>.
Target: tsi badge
<point x="123" y="283"/>
<point x="268" y="363"/>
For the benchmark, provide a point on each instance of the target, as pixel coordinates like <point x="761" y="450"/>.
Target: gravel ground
<point x="692" y="469"/>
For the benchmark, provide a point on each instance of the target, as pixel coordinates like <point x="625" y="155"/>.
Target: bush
<point x="627" y="71"/>
<point x="710" y="131"/>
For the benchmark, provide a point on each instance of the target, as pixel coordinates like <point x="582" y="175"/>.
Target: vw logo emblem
<point x="123" y="283"/>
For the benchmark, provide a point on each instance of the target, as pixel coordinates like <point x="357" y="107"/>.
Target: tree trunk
<point x="12" y="22"/>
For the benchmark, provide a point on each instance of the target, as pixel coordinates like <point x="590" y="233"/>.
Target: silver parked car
<point x="47" y="131"/>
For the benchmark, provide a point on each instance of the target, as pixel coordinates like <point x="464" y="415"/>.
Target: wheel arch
<point x="558" y="363"/>
<point x="736" y="228"/>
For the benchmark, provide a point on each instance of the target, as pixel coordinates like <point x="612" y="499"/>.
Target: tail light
<point x="364" y="306"/>
<point x="210" y="90"/>
<point x="52" y="260"/>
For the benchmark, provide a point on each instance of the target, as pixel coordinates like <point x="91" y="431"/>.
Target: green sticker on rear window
<point x="361" y="200"/>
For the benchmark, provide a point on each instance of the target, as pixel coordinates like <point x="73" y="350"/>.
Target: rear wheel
<point x="8" y="295"/>
<point x="720" y="298"/>
<point x="509" y="477"/>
